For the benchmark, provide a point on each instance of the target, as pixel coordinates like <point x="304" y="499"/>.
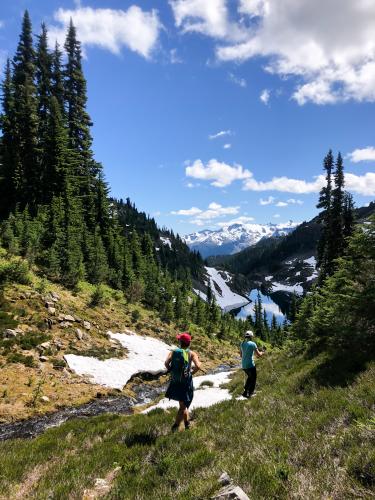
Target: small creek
<point x="32" y="427"/>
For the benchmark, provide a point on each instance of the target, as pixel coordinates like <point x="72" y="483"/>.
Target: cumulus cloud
<point x="206" y="17"/>
<point x="267" y="201"/>
<point x="365" y="154"/>
<point x="281" y="204"/>
<point x="220" y="173"/>
<point x="301" y="38"/>
<point x="241" y="82"/>
<point x="239" y="220"/>
<point x="222" y="133"/>
<point x="265" y="96"/>
<point x="111" y="29"/>
<point x="227" y="146"/>
<point x="201" y="217"/>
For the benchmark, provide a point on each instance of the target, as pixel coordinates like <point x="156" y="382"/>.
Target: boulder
<point x="51" y="310"/>
<point x="45" y="345"/>
<point x="69" y="317"/>
<point x="66" y="324"/>
<point x="225" y="479"/>
<point x="49" y="303"/>
<point x="43" y="359"/>
<point x="9" y="333"/>
<point x="231" y="492"/>
<point x="45" y="399"/>
<point x="87" y="325"/>
<point x="61" y="317"/>
<point x="79" y="334"/>
<point x="55" y="296"/>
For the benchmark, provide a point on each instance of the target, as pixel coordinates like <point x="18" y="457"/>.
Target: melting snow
<point x="227" y="299"/>
<point x="166" y="241"/>
<point x="145" y="355"/>
<point x="311" y="261"/>
<point x="204" y="396"/>
<point x="276" y="287"/>
<point x="268" y="278"/>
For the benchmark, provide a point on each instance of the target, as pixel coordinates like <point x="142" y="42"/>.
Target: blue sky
<point x="207" y="112"/>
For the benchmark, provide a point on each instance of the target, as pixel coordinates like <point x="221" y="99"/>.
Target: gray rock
<point x="51" y="310"/>
<point x="61" y="317"/>
<point x="65" y="324"/>
<point x="49" y="303"/>
<point x="87" y="325"/>
<point x="231" y="492"/>
<point x="55" y="296"/>
<point x="8" y="333"/>
<point x="79" y="334"/>
<point x="44" y="399"/>
<point x="69" y="317"/>
<point x="45" y="345"/>
<point x="225" y="479"/>
<point x="43" y="359"/>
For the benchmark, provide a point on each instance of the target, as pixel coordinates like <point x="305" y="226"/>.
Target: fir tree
<point x="27" y="173"/>
<point x="57" y="81"/>
<point x="348" y="215"/>
<point x="337" y="223"/>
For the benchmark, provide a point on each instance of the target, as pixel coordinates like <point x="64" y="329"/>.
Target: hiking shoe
<point x="245" y="395"/>
<point x="174" y="428"/>
<point x="187" y="426"/>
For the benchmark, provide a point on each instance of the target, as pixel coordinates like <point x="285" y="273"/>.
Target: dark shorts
<point x="181" y="391"/>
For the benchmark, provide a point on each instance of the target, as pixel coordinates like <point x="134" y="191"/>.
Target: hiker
<point x="247" y="349"/>
<point x="182" y="363"/>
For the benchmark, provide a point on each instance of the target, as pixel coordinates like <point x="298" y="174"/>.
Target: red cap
<point x="185" y="337"/>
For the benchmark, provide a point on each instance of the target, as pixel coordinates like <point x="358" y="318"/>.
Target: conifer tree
<point x="26" y="121"/>
<point x="43" y="86"/>
<point x="348" y="216"/>
<point x="337" y="223"/>
<point x="8" y="174"/>
<point x="57" y="81"/>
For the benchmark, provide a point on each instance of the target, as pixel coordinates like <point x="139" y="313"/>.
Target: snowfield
<point x="225" y="298"/>
<point x="276" y="287"/>
<point x="145" y="355"/>
<point x="204" y="396"/>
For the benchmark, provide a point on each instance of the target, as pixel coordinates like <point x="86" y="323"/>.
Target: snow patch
<point x="225" y="298"/>
<point x="279" y="287"/>
<point x="204" y="396"/>
<point x="166" y="241"/>
<point x="145" y="355"/>
<point x="311" y="261"/>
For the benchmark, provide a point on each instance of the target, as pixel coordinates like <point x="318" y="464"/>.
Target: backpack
<point x="180" y="365"/>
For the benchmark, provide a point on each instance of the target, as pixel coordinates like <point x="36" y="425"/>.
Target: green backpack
<point x="180" y="365"/>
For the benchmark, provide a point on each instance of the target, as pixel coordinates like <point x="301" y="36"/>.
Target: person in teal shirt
<point x="248" y="348"/>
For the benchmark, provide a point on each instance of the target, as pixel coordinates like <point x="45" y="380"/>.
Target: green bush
<point x="16" y="357"/>
<point x="32" y="339"/>
<point x="15" y="271"/>
<point x="98" y="297"/>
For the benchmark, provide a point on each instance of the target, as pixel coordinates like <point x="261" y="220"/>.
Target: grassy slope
<point x="24" y="306"/>
<point x="295" y="439"/>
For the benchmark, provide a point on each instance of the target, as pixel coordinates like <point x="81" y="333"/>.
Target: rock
<point x="51" y="310"/>
<point x="87" y="325"/>
<point x="225" y="479"/>
<point x="45" y="399"/>
<point x="45" y="345"/>
<point x="79" y="334"/>
<point x="231" y="492"/>
<point x="8" y="333"/>
<point x="43" y="359"/>
<point x="49" y="304"/>
<point x="55" y="296"/>
<point x="66" y="324"/>
<point x="109" y="333"/>
<point x="69" y="317"/>
<point x="61" y="317"/>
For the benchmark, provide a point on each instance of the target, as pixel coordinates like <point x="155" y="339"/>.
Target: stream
<point x="123" y="405"/>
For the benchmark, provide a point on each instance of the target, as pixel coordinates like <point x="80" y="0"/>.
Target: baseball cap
<point x="249" y="334"/>
<point x="185" y="337"/>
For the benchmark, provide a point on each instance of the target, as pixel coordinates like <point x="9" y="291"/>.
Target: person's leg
<point x="252" y="380"/>
<point x="180" y="415"/>
<point x="247" y="382"/>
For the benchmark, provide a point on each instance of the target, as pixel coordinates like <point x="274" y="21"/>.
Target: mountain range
<point x="232" y="239"/>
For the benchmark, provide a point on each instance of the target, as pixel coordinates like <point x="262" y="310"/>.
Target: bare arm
<point x="197" y="364"/>
<point x="168" y="361"/>
<point x="259" y="353"/>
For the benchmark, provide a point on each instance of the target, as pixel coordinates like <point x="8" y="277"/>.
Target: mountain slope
<point x="234" y="238"/>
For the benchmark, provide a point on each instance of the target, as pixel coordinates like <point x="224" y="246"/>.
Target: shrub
<point x="98" y="297"/>
<point x="15" y="271"/>
<point x="16" y="357"/>
<point x="135" y="315"/>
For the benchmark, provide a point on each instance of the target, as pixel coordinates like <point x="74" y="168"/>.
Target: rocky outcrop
<point x="229" y="491"/>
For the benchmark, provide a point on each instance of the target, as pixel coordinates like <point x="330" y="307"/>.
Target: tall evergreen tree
<point x="8" y="174"/>
<point x="26" y="121"/>
<point x="337" y="223"/>
<point x="348" y="215"/>
<point x="57" y="81"/>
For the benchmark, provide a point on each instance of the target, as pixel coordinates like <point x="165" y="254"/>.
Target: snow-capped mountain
<point x="234" y="238"/>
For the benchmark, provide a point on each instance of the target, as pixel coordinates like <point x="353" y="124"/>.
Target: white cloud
<point x="365" y="154"/>
<point x="277" y="216"/>
<point x="281" y="204"/>
<point x="208" y="17"/>
<point x="361" y="184"/>
<point x="222" y="133"/>
<point x="302" y="38"/>
<point x="202" y="217"/>
<point x="227" y="146"/>
<point x="265" y="96"/>
<point x="293" y="201"/>
<point x="174" y="57"/>
<point x="111" y="29"/>
<point x="221" y="174"/>
<point x="241" y="82"/>
<point x="239" y="220"/>
<point x="267" y="201"/>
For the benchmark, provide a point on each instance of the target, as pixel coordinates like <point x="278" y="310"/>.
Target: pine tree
<point x="325" y="218"/>
<point x="57" y="81"/>
<point x="27" y="172"/>
<point x="8" y="174"/>
<point x="348" y="215"/>
<point x="43" y="85"/>
<point x="337" y="236"/>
